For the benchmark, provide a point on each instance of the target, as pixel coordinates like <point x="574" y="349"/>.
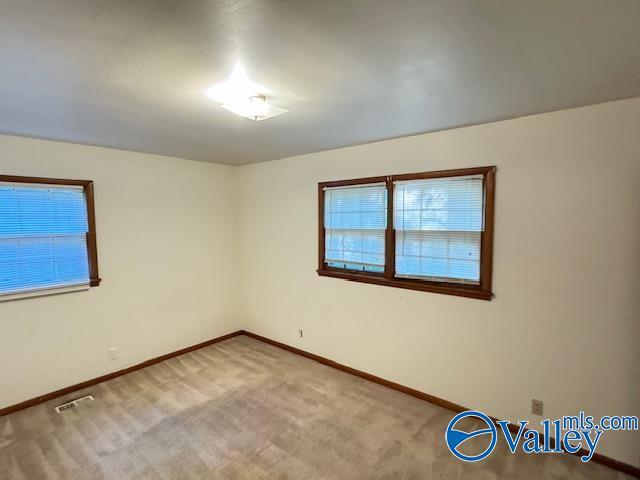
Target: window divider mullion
<point x="390" y="237"/>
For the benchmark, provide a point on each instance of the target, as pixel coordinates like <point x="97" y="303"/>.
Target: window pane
<point x="438" y="226"/>
<point x="452" y="204"/>
<point x="42" y="237"/>
<point x="355" y="222"/>
<point x="30" y="263"/>
<point x="41" y="210"/>
<point x="439" y="256"/>
<point x="362" y="249"/>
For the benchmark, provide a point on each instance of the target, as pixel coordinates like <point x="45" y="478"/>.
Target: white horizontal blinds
<point x="42" y="237"/>
<point x="355" y="219"/>
<point x="438" y="225"/>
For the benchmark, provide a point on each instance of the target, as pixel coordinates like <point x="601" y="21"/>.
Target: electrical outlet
<point x="300" y="333"/>
<point x="113" y="353"/>
<point x="536" y="406"/>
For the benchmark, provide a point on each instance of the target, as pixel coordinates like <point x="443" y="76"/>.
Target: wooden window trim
<point x="87" y="186"/>
<point x="481" y="291"/>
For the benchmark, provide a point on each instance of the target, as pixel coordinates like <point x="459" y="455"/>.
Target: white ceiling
<point x="132" y="74"/>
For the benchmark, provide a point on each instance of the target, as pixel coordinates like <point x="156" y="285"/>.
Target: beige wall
<point x="166" y="251"/>
<point x="564" y="324"/>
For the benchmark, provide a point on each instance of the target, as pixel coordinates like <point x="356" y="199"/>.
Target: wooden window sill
<point x="420" y="285"/>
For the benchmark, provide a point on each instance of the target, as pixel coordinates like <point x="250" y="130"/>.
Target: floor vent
<point x="72" y="403"/>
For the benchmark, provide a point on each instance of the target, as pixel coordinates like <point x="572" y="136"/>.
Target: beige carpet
<point x="242" y="409"/>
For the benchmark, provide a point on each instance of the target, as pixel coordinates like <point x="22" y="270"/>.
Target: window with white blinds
<point x="43" y="237"/>
<point x="438" y="224"/>
<point x="355" y="220"/>
<point x="430" y="231"/>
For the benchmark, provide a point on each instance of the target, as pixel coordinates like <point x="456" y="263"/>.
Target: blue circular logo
<point x="455" y="438"/>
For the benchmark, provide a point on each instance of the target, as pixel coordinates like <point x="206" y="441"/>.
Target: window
<point x="438" y="224"/>
<point x="427" y="231"/>
<point x="47" y="236"/>
<point x="355" y="224"/>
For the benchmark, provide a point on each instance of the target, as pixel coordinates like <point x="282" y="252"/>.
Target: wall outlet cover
<point x="536" y="406"/>
<point x="113" y="353"/>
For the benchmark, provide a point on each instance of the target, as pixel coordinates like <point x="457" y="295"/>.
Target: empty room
<point x="319" y="239"/>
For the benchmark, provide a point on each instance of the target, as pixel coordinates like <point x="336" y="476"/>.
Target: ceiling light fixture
<point x="243" y="97"/>
<point x="255" y="107"/>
